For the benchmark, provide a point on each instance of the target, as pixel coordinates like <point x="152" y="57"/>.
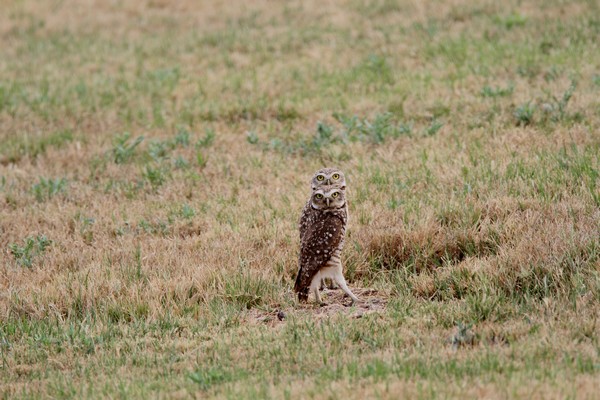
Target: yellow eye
<point x="336" y="176"/>
<point x="319" y="196"/>
<point x="336" y="194"/>
<point x="320" y="178"/>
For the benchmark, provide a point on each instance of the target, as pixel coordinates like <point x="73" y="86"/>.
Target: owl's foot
<point x="352" y="303"/>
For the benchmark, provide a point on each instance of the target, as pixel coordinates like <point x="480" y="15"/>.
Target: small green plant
<point x="158" y="151"/>
<point x="252" y="137"/>
<point x="34" y="246"/>
<point x="374" y="69"/>
<point x="86" y="230"/>
<point x="214" y="375"/>
<point x="47" y="188"/>
<point x="201" y="159"/>
<point x="323" y="137"/>
<point x="159" y="227"/>
<point x="156" y="176"/>
<point x="350" y="124"/>
<point x="181" y="163"/>
<point x="123" y="150"/>
<point x="207" y="140"/>
<point x="405" y="128"/>
<point x="378" y="130"/>
<point x="434" y="127"/>
<point x="511" y="20"/>
<point x="556" y="108"/>
<point x="375" y="131"/>
<point x="182" y="138"/>
<point x="187" y="212"/>
<point x="524" y="114"/>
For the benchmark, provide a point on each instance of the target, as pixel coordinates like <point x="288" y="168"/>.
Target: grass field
<point x="155" y="156"/>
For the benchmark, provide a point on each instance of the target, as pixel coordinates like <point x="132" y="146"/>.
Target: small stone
<point x="280" y="315"/>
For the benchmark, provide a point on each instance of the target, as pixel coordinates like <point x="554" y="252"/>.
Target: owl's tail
<point x="303" y="295"/>
<point x="301" y="290"/>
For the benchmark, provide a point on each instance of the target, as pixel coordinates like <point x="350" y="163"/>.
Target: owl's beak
<point x="329" y="181"/>
<point x="328" y="201"/>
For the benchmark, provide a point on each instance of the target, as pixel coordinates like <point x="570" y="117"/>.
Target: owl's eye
<point x="336" y="194"/>
<point x="319" y="196"/>
<point x="320" y="177"/>
<point x="336" y="176"/>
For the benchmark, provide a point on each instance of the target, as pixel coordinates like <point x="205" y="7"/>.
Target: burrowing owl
<point x="330" y="177"/>
<point x="322" y="242"/>
<point x="323" y="177"/>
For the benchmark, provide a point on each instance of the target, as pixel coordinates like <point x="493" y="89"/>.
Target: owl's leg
<point x="330" y="286"/>
<point x="314" y="287"/>
<point x="318" y="297"/>
<point x="339" y="279"/>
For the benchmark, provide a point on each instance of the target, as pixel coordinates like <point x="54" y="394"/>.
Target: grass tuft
<point x="524" y="114"/>
<point x="123" y="150"/>
<point x="48" y="188"/>
<point x="33" y="247"/>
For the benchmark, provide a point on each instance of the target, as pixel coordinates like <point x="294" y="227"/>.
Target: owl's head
<point x="328" y="177"/>
<point x="327" y="198"/>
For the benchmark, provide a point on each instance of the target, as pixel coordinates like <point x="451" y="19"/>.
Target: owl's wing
<point x="321" y="239"/>
<point x="304" y="220"/>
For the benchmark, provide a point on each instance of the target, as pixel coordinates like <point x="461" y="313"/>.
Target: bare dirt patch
<point x="335" y="303"/>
